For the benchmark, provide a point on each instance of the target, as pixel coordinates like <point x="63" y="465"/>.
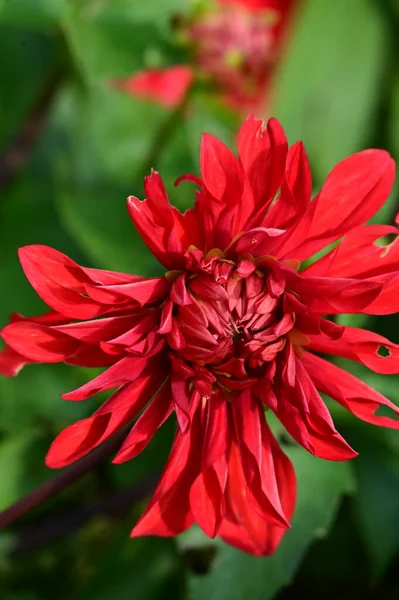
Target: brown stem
<point x="61" y="525"/>
<point x="15" y="155"/>
<point x="162" y="137"/>
<point x="59" y="482"/>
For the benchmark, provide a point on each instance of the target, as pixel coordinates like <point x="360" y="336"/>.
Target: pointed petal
<point x="168" y="512"/>
<point x="76" y="440"/>
<point x="85" y="435"/>
<point x="374" y="351"/>
<point x="207" y="497"/>
<point x="11" y="362"/>
<point x="256" y="458"/>
<point x="350" y="392"/>
<point x="262" y="151"/>
<point x="156" y="413"/>
<point x="306" y="418"/>
<point x="359" y="254"/>
<point x="296" y="190"/>
<point x="220" y="171"/>
<point x="126" y="370"/>
<point x="245" y="528"/>
<point x="353" y="192"/>
<point x="38" y="342"/>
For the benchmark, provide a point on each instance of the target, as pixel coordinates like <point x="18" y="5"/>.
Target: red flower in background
<point x="235" y="45"/>
<point x="234" y="328"/>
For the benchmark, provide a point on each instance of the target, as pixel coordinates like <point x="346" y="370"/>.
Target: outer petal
<point x="207" y="492"/>
<point x="358" y="254"/>
<point x="280" y="6"/>
<point x="353" y="192"/>
<point x="167" y="87"/>
<point x="349" y="391"/>
<point x="11" y="362"/>
<point x="166" y="232"/>
<point x="305" y="416"/>
<point x="207" y="497"/>
<point x="296" y="190"/>
<point x="244" y="527"/>
<point x="83" y="436"/>
<point x="387" y="301"/>
<point x="256" y="458"/>
<point x="168" y="512"/>
<point x="262" y="151"/>
<point x="373" y="350"/>
<point x="126" y="370"/>
<point x="38" y="342"/>
<point x="223" y="186"/>
<point x="325" y="295"/>
<point x="156" y="413"/>
<point x="67" y="288"/>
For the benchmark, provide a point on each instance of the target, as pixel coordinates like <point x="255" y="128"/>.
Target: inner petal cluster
<point x="230" y="324"/>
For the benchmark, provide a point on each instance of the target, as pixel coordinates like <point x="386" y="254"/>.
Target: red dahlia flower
<point x="234" y="328"/>
<point x="234" y="45"/>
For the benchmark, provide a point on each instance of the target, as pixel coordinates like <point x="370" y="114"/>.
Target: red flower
<point x="234" y="328"/>
<point x="234" y="45"/>
<point x="167" y="86"/>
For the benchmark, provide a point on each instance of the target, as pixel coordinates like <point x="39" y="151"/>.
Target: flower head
<point x="234" y="328"/>
<point x="234" y="45"/>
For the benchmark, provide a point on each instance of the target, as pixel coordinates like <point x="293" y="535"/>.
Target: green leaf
<point x="114" y="39"/>
<point x="21" y="48"/>
<point x="39" y="14"/>
<point x="140" y="568"/>
<point x="208" y="116"/>
<point x="237" y="575"/>
<point x="376" y="504"/>
<point x="13" y="451"/>
<point x="394" y="116"/>
<point x="28" y="216"/>
<point x="109" y="136"/>
<point x="329" y="84"/>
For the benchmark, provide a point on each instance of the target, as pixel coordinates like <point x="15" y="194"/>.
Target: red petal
<point x="216" y="436"/>
<point x="168" y="512"/>
<point x="244" y="528"/>
<point x="220" y="170"/>
<point x="327" y="296"/>
<point x="256" y="458"/>
<point x="167" y="243"/>
<point x="168" y="86"/>
<point x="38" y="342"/>
<point x="207" y="497"/>
<point x="353" y="192"/>
<point x="124" y="371"/>
<point x="143" y="292"/>
<point x="11" y="362"/>
<point x="59" y="281"/>
<point x="349" y="391"/>
<point x="99" y="329"/>
<point x="156" y="413"/>
<point x="296" y="190"/>
<point x="305" y="416"/>
<point x="361" y="345"/>
<point x="358" y="254"/>
<point x="263" y="153"/>
<point x="115" y="413"/>
<point x="76" y="440"/>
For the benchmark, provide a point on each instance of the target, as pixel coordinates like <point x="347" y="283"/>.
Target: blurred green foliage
<point x="337" y="89"/>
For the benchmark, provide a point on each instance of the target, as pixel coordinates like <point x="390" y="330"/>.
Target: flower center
<point x="231" y="43"/>
<point x="231" y="321"/>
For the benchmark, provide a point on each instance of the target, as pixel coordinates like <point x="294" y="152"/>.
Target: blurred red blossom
<point x="235" y="46"/>
<point x="234" y="328"/>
